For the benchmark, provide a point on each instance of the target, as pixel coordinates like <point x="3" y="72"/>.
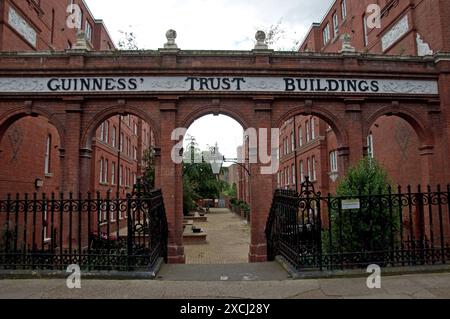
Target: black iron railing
<point x="391" y="228"/>
<point x="94" y="232"/>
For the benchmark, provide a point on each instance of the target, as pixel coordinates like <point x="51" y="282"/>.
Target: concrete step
<point x="270" y="271"/>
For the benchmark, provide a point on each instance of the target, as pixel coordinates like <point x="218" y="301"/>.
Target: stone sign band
<point x="217" y="84"/>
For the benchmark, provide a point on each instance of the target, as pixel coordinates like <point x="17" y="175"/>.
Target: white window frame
<point x="326" y="34"/>
<point x="370" y="149"/>
<point x="101" y="170"/>
<point x="343" y="9"/>
<point x="113" y="173"/>
<point x="88" y="31"/>
<point x="302" y="172"/>
<point x="293" y="174"/>
<point x="307" y="132"/>
<point x="48" y="155"/>
<point x="333" y="162"/>
<point x="335" y="24"/>
<point x="102" y="131"/>
<point x="313" y="163"/>
<point x="300" y="136"/>
<point x="313" y="129"/>
<point x="308" y="163"/>
<point x="366" y="31"/>
<point x="113" y="137"/>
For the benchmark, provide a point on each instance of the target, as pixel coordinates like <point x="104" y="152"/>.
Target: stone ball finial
<point x="260" y="37"/>
<point x="171" y="35"/>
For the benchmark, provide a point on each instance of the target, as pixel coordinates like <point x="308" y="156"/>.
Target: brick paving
<point x="227" y="242"/>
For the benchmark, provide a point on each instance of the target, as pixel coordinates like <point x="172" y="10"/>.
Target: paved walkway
<point x="405" y="287"/>
<point x="228" y="240"/>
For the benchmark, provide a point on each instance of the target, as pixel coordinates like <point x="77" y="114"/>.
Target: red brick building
<point x="31" y="146"/>
<point x="406" y="27"/>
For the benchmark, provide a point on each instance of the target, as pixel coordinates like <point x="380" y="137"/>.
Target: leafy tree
<point x="370" y="227"/>
<point x="199" y="180"/>
<point x="276" y="33"/>
<point x="149" y="167"/>
<point x="128" y="41"/>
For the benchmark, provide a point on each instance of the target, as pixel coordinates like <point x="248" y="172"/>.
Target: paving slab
<point x="223" y="272"/>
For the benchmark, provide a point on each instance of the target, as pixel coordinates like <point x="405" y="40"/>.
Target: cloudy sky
<point x="210" y="25"/>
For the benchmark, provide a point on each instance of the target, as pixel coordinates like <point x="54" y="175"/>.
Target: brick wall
<point x="22" y="151"/>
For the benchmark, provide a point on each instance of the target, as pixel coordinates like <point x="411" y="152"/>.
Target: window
<point x="287" y="176"/>
<point x="113" y="136"/>
<point x="313" y="162"/>
<point x="335" y="24"/>
<point x="366" y="31"/>
<point x="101" y="170"/>
<point x="344" y="9"/>
<point x="302" y="172"/>
<point x="293" y="141"/>
<point x="300" y="136"/>
<point x="106" y="134"/>
<point x="307" y="132"/>
<point x="309" y="168"/>
<point x="121" y="175"/>
<point x="122" y="137"/>
<point x="293" y="174"/>
<point x="370" y="152"/>
<point x="135" y="129"/>
<point x="313" y="129"/>
<point x="102" y="131"/>
<point x="88" y="31"/>
<point x="278" y="179"/>
<point x="113" y="173"/>
<point x="282" y="178"/>
<point x="48" y="150"/>
<point x="105" y="176"/>
<point x="333" y="162"/>
<point x="135" y="153"/>
<point x="326" y="34"/>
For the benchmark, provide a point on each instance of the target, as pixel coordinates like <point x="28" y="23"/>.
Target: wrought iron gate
<point x="96" y="233"/>
<point x="390" y="229"/>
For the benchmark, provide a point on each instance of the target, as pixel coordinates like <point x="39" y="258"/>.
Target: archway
<point x="313" y="144"/>
<point x="30" y="154"/>
<point x="216" y="213"/>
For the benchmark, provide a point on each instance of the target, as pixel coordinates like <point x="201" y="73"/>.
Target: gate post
<point x="70" y="166"/>
<point x="354" y="152"/>
<point x="261" y="188"/>
<point x="170" y="180"/>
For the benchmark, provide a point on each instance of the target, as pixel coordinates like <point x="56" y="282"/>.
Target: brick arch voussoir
<point x="416" y="120"/>
<point x="197" y="113"/>
<point x="330" y="118"/>
<point x="104" y="114"/>
<point x="13" y="115"/>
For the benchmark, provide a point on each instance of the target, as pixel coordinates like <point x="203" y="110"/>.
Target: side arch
<point x="419" y="124"/>
<point x="214" y="109"/>
<point x="322" y="113"/>
<point x="104" y="114"/>
<point x="10" y="117"/>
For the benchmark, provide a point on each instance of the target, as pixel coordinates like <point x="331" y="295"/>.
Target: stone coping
<point x="358" y="273"/>
<point x="85" y="274"/>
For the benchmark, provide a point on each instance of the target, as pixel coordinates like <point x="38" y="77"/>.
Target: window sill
<point x="48" y="175"/>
